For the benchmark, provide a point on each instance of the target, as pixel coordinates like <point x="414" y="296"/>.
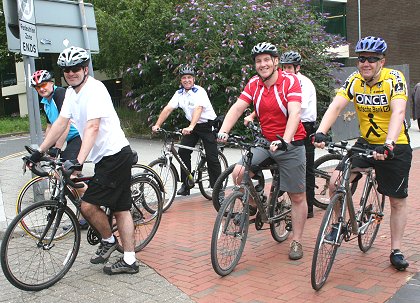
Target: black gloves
<point x="320" y="137"/>
<point x="35" y="156"/>
<point x="72" y="165"/>
<point x="54" y="152"/>
<point x="386" y="149"/>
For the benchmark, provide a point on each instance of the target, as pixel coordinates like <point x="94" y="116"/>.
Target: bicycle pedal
<point x="289" y="227"/>
<point x="92" y="236"/>
<point x="258" y="222"/>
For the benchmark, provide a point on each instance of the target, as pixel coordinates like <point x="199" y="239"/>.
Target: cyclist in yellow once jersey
<point x="380" y="97"/>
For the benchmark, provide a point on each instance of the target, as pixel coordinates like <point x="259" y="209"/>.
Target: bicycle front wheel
<point x="31" y="263"/>
<point x="222" y="187"/>
<point x="323" y="168"/>
<point x="326" y="245"/>
<point x="229" y="234"/>
<point x="168" y="175"/>
<point x="146" y="211"/>
<point x="370" y="217"/>
<point x="204" y="179"/>
<point x="282" y="208"/>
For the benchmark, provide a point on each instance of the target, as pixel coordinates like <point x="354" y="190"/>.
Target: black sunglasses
<point x="363" y="59"/>
<point x="73" y="69"/>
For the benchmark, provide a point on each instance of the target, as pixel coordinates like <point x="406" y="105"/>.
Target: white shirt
<point x="93" y="101"/>
<point x="191" y="99"/>
<point x="308" y="113"/>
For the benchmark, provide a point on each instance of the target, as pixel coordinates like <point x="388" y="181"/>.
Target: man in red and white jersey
<point x="276" y="97"/>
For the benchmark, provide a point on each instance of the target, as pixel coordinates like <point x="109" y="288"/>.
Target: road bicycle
<point x="41" y="188"/>
<point x="335" y="228"/>
<point x="41" y="243"/>
<point x="167" y="171"/>
<point x="231" y="226"/>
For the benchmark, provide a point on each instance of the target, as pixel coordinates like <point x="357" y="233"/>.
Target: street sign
<point x="28" y="39"/>
<point x="27" y="28"/>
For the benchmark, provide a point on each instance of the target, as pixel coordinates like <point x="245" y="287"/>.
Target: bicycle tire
<point x="373" y="206"/>
<point x="146" y="212"/>
<point x="149" y="172"/>
<point x="229" y="234"/>
<point x="42" y="266"/>
<point x="169" y="177"/>
<point x="278" y="228"/>
<point x="325" y="251"/>
<point x="204" y="179"/>
<point x="221" y="188"/>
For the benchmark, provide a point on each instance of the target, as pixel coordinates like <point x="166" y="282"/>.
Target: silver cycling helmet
<point x="264" y="48"/>
<point x="186" y="70"/>
<point x="291" y="57"/>
<point x="73" y="56"/>
<point x="371" y="45"/>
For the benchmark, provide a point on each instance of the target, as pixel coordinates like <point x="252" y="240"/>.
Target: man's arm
<point x="60" y="142"/>
<point x="162" y="117"/>
<point x="194" y="119"/>
<point x="89" y="137"/>
<point x="54" y="133"/>
<point x="233" y="115"/>
<point x="293" y="109"/>
<point x="398" y="107"/>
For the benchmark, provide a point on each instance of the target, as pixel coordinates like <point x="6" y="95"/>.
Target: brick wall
<point x="398" y="22"/>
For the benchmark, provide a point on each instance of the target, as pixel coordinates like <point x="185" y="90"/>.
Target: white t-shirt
<point x="189" y="100"/>
<point x="93" y="101"/>
<point x="308" y="113"/>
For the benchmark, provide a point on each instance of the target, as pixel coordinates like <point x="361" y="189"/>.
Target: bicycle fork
<point x="53" y="217"/>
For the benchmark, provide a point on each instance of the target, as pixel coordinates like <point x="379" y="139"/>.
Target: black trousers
<point x="204" y="132"/>
<point x="310" y="158"/>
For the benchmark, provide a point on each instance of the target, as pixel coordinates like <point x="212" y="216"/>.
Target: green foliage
<point x="217" y="37"/>
<point x="10" y="125"/>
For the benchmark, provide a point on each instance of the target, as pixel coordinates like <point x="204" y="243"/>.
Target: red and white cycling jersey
<point x="270" y="104"/>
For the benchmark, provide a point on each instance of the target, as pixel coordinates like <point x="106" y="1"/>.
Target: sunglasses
<point x="363" y="59"/>
<point x="41" y="85"/>
<point x="73" y="69"/>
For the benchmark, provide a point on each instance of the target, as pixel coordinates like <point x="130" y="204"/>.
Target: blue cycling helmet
<point x="371" y="45"/>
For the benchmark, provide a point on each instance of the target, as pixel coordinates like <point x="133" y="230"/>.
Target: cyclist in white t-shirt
<point x="88" y="104"/>
<point x="195" y="103"/>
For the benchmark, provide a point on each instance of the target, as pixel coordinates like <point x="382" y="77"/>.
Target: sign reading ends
<point x="27" y="28"/>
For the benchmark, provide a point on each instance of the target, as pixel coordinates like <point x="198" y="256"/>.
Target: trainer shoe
<point x="104" y="252"/>
<point x="183" y="191"/>
<point x="120" y="267"/>
<point x="397" y="260"/>
<point x="83" y="224"/>
<point x="296" y="251"/>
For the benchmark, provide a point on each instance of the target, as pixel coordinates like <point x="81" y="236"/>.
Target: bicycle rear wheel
<point x="30" y="264"/>
<point x="325" y="250"/>
<point x="169" y="177"/>
<point x="146" y="211"/>
<point x="204" y="179"/>
<point x="223" y="186"/>
<point x="229" y="234"/>
<point x="279" y="227"/>
<point x="372" y="211"/>
<point x="323" y="168"/>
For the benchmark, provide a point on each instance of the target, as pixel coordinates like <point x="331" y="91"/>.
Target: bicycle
<point x="41" y="188"/>
<point x="166" y="169"/>
<point x="41" y="243"/>
<point x="232" y="222"/>
<point x="363" y="224"/>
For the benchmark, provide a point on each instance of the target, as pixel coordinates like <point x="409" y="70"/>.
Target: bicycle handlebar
<point x="343" y="145"/>
<point x="169" y="133"/>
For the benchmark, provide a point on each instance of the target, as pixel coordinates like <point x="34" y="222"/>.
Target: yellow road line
<point x="13" y="156"/>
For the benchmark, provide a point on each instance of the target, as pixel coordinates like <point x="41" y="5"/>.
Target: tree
<point x="216" y="37"/>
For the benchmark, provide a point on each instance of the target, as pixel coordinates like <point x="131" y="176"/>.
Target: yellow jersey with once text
<point x="373" y="104"/>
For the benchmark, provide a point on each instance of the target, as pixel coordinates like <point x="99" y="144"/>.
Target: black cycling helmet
<point x="186" y="70"/>
<point x="264" y="48"/>
<point x="291" y="57"/>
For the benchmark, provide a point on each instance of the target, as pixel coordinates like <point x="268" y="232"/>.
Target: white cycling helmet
<point x="291" y="57"/>
<point x="264" y="48"/>
<point x="40" y="76"/>
<point x="73" y="56"/>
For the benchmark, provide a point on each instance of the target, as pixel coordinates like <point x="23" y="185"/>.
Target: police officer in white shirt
<point x="195" y="103"/>
<point x="291" y="62"/>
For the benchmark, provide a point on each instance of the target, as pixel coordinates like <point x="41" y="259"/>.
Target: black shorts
<point x="391" y="175"/>
<point x="72" y="149"/>
<point x="110" y="185"/>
